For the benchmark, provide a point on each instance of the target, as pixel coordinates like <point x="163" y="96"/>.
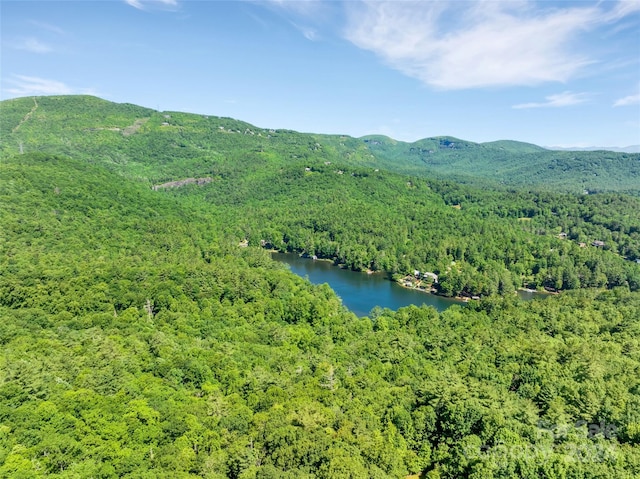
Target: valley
<point x="146" y="330"/>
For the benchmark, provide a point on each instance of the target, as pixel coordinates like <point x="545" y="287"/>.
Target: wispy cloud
<point x="301" y="14"/>
<point x="628" y="100"/>
<point x="32" y="45"/>
<point x="47" y="26"/>
<point x="145" y="4"/>
<point x="23" y="85"/>
<point x="305" y="8"/>
<point x="621" y="9"/>
<point x="458" y="45"/>
<point x="308" y="32"/>
<point x="566" y="98"/>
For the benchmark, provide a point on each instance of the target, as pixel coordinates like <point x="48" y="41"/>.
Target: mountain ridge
<point x="616" y="149"/>
<point x="500" y="143"/>
<point x="148" y="333"/>
<point x="62" y="123"/>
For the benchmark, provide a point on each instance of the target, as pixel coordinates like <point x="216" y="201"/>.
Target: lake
<point x="361" y="292"/>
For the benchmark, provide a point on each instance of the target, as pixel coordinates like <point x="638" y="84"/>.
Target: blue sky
<point x="550" y="73"/>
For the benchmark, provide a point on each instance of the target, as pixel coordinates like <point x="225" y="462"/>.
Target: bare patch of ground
<point x="186" y="181"/>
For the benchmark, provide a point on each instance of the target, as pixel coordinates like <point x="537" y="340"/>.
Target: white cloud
<point x="633" y="99"/>
<point x="628" y="100"/>
<point x="32" y="45"/>
<point x="622" y="9"/>
<point x="29" y="86"/>
<point x="308" y="32"/>
<point x="144" y="4"/>
<point x="458" y="45"/>
<point x="300" y="14"/>
<point x="48" y="27"/>
<point x="566" y="98"/>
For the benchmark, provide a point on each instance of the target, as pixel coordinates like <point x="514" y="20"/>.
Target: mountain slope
<point x="512" y="163"/>
<point x="163" y="146"/>
<point x="514" y="146"/>
<point x="139" y="340"/>
<point x="321" y="195"/>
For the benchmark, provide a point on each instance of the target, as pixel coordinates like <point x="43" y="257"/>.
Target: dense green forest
<point x="479" y="243"/>
<point x="162" y="146"/>
<point x="138" y="340"/>
<point x="319" y="195"/>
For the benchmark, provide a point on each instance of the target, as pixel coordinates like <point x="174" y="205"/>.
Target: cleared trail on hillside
<point x="27" y="116"/>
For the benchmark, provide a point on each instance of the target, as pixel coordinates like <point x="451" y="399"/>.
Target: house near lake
<point x="430" y="275"/>
<point x="426" y="275"/>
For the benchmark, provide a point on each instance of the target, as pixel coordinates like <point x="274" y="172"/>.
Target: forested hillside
<point x="477" y="242"/>
<point x="513" y="163"/>
<point x="164" y="145"/>
<point x="320" y="195"/>
<point x="140" y="340"/>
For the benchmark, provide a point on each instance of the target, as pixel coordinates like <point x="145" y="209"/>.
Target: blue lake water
<point x="361" y="292"/>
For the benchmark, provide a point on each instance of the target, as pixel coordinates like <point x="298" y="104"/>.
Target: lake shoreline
<point x="432" y="291"/>
<point x="361" y="293"/>
<point x="384" y="276"/>
<point x="402" y="281"/>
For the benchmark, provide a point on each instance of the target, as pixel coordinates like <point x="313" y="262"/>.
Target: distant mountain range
<point x="624" y="149"/>
<point x="181" y="145"/>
